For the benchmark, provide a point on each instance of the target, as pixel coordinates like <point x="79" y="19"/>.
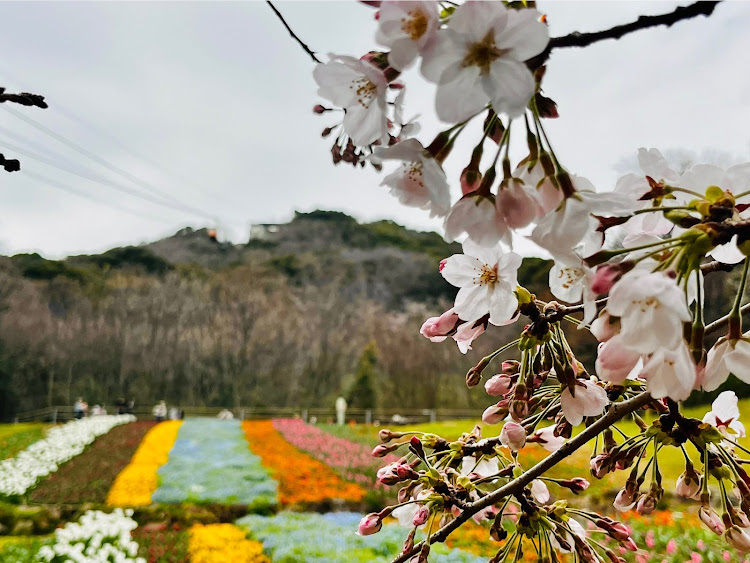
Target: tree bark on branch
<point x="616" y="412"/>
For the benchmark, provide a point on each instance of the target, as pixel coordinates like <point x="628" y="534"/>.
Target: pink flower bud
<point x="711" y="520"/>
<point x="688" y="483"/>
<point x="600" y="465"/>
<point x="494" y="414"/>
<point x="576" y="484"/>
<point x="625" y="500"/>
<point x="370" y="524"/>
<point x="671" y="547"/>
<point x="382" y="450"/>
<point x="738" y="539"/>
<point x="320" y="109"/>
<point x="513" y="436"/>
<point x="471" y="178"/>
<point x="510" y="367"/>
<point x="646" y="504"/>
<point x="439" y="328"/>
<point x="605" y="277"/>
<point x="498" y="385"/>
<point x="420" y="517"/>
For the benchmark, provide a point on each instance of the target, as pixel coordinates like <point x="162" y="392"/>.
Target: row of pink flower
<point x="351" y="460"/>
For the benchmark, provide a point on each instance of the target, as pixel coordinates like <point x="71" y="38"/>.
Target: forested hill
<point x="303" y="312"/>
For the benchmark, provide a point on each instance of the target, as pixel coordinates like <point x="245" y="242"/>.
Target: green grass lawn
<point x="17" y="437"/>
<point x="671" y="460"/>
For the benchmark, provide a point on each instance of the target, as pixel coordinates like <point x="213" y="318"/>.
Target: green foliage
<point x="287" y="264"/>
<point x="362" y="393"/>
<point x="127" y="257"/>
<point x="17" y="437"/>
<point x="389" y="233"/>
<point x="35" y="267"/>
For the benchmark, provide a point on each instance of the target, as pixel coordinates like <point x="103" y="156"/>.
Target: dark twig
<point x="294" y="35"/>
<point x="24" y="99"/>
<point x="577" y="39"/>
<point x="724" y="321"/>
<point x="616" y="412"/>
<point x="10" y="164"/>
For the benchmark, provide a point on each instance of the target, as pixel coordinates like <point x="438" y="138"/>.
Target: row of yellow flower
<point x="223" y="543"/>
<point x="137" y="482"/>
<point x="301" y="478"/>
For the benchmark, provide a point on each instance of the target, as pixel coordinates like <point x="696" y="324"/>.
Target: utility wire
<point x="119" y="187"/>
<point x="99" y="160"/>
<point x="48" y="182"/>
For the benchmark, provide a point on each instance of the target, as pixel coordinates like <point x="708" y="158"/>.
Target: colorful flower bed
<point x="351" y="460"/>
<point x="301" y="478"/>
<point x="20" y="473"/>
<point x="329" y="538"/>
<point x="89" y="476"/>
<point x="217" y="543"/>
<point x="98" y="536"/>
<point x="17" y="437"/>
<point x="210" y="463"/>
<point x="137" y="482"/>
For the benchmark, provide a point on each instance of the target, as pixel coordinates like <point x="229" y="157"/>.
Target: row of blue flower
<point x="210" y="462"/>
<point x="291" y="537"/>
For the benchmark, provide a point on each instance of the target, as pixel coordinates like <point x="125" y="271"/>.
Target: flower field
<point x="261" y="464"/>
<point x="211" y="463"/>
<point x="301" y="478"/>
<point x="138" y="480"/>
<point x="18" y="474"/>
<point x="89" y="476"/>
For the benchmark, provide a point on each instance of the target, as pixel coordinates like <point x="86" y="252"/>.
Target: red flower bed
<point x="351" y="460"/>
<point x="89" y="476"/>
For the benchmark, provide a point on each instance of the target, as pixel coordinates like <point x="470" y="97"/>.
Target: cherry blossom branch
<point x="294" y="35"/>
<point x="577" y="39"/>
<point x="616" y="412"/>
<point x="724" y="321"/>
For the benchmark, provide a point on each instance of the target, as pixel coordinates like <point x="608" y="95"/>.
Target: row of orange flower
<point x="301" y="478"/>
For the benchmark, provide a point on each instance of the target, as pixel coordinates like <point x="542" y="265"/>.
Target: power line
<point x="99" y="160"/>
<point x="119" y="187"/>
<point x="47" y="182"/>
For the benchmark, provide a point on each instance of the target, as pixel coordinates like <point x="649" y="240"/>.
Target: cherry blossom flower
<point x="655" y="166"/>
<point x="517" y="204"/>
<point x="419" y="181"/>
<point x="484" y="468"/>
<point x="615" y="362"/>
<point x="738" y="539"/>
<point x="547" y="439"/>
<point x="467" y="333"/>
<point x="625" y="500"/>
<point x="498" y="385"/>
<point x="370" y="524"/>
<point x="487" y="278"/>
<point x="513" y="436"/>
<point x="408" y="29"/>
<point x="725" y="414"/>
<point x="548" y="195"/>
<point x="651" y="308"/>
<point x="359" y="88"/>
<point x="670" y="373"/>
<point x="570" y="281"/>
<point x="539" y="491"/>
<point x="437" y="329"/>
<point x="477" y="216"/>
<point x="589" y="400"/>
<point x="562" y="230"/>
<point x="480" y="58"/>
<point x="725" y="357"/>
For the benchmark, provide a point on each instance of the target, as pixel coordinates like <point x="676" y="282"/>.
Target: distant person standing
<point x="160" y="411"/>
<point x="340" y="411"/>
<point x="79" y="408"/>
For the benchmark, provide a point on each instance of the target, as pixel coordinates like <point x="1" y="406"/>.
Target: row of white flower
<point x="19" y="474"/>
<point x="96" y="538"/>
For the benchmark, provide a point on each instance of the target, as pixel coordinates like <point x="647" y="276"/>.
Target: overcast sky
<point x="210" y="104"/>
